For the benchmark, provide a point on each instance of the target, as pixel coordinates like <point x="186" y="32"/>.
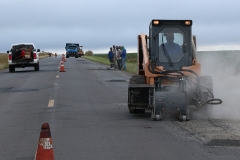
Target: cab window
<point x="170" y="45"/>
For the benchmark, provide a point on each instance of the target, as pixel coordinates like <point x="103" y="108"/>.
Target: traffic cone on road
<point x="64" y="59"/>
<point x="62" y="67"/>
<point x="45" y="148"/>
<point x="63" y="56"/>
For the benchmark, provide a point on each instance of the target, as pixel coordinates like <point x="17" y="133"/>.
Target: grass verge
<point x="3" y="60"/>
<point x="131" y="66"/>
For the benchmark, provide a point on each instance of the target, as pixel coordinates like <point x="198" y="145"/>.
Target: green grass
<point x="131" y="60"/>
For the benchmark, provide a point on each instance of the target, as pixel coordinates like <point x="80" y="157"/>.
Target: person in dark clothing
<point x="171" y="46"/>
<point x="123" y="56"/>
<point x="110" y="57"/>
<point x="171" y="49"/>
<point x="114" y="56"/>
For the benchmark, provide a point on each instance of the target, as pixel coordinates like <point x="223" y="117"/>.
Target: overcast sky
<point x="98" y="24"/>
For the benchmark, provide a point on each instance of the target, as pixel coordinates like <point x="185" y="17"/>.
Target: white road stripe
<point x="51" y="103"/>
<point x="57" y="76"/>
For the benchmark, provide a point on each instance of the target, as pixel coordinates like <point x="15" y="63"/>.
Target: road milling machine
<point x="169" y="77"/>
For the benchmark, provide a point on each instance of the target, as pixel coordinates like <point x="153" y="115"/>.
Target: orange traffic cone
<point x="64" y="59"/>
<point x="63" y="56"/>
<point x="62" y="67"/>
<point x="45" y="148"/>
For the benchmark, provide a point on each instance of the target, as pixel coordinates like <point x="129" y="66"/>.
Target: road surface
<point x="86" y="108"/>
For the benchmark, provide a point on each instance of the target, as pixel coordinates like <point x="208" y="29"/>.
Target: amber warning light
<point x="156" y="22"/>
<point x="187" y="23"/>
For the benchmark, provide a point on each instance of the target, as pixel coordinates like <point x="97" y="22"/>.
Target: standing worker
<point x="124" y="56"/>
<point x="114" y="57"/>
<point x="110" y="57"/>
<point x="119" y="59"/>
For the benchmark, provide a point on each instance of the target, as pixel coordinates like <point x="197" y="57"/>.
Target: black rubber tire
<point x="36" y="67"/>
<point x="137" y="79"/>
<point x="11" y="68"/>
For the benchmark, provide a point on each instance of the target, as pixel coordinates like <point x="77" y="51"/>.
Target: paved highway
<point x="86" y="108"/>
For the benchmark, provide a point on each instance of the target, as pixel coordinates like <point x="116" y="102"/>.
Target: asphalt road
<point x="86" y="108"/>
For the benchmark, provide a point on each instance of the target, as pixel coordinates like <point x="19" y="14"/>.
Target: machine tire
<point x="137" y="79"/>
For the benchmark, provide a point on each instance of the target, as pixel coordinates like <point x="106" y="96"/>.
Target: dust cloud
<point x="224" y="67"/>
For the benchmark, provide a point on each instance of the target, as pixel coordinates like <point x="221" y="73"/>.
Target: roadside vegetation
<point x="45" y="54"/>
<point x="132" y="57"/>
<point x="4" y="58"/>
<point x="131" y="60"/>
<point x="89" y="53"/>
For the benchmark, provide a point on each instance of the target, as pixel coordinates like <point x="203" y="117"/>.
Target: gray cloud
<point x="102" y="23"/>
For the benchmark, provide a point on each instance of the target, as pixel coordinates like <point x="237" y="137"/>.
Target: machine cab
<point x="170" y="43"/>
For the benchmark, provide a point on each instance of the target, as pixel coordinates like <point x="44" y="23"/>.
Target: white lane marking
<point x="57" y="76"/>
<point x="55" y="84"/>
<point x="51" y="103"/>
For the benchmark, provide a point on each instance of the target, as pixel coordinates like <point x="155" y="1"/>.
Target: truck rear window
<point x="27" y="47"/>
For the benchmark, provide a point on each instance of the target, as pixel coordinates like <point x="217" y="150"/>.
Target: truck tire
<point x="136" y="79"/>
<point x="11" y="68"/>
<point x="36" y="67"/>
